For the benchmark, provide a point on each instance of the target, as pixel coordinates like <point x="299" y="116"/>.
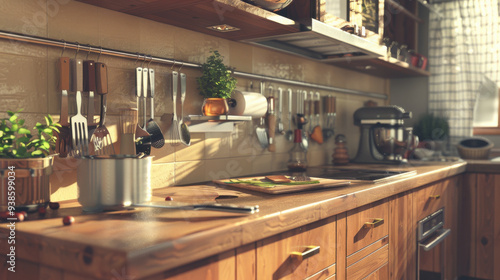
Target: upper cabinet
<point x="345" y="33"/>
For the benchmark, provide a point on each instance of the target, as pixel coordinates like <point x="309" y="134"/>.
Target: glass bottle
<point x="298" y="155"/>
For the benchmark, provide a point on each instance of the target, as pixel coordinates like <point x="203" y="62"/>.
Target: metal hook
<point x="64" y="48"/>
<point x="150" y="60"/>
<point x="138" y="55"/>
<point x="99" y="56"/>
<point x="181" y="67"/>
<point x="77" y="49"/>
<point x="172" y="68"/>
<point x="90" y="49"/>
<point x="143" y="61"/>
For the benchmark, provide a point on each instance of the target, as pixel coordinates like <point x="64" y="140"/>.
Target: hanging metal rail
<point x="148" y="58"/>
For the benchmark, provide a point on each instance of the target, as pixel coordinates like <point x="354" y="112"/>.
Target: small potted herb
<point x="26" y="161"/>
<point x="215" y="84"/>
<point x="432" y="131"/>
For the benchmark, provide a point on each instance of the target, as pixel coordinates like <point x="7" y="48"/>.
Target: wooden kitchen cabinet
<point x="479" y="239"/>
<point x="366" y="242"/>
<point x="308" y="251"/>
<point x="427" y="200"/>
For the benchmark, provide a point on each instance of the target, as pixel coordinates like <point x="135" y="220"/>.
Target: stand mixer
<point x="384" y="139"/>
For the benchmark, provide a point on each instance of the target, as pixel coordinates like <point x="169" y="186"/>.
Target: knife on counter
<point x="214" y="207"/>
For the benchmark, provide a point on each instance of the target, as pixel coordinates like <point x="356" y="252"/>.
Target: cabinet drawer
<point x="299" y="253"/>
<point x="381" y="274"/>
<point x="429" y="199"/>
<point x="366" y="225"/>
<point x="370" y="266"/>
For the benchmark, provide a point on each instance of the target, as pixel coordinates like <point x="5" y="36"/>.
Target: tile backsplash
<point x="29" y="80"/>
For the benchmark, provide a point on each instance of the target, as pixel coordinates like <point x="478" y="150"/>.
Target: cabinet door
<point x="402" y="237"/>
<point x="299" y="253"/>
<point x="359" y="232"/>
<point x="221" y="267"/>
<point x="487" y="218"/>
<point x="426" y="201"/>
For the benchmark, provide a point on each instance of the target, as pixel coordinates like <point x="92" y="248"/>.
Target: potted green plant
<point x="25" y="162"/>
<point x="432" y="131"/>
<point x="215" y="84"/>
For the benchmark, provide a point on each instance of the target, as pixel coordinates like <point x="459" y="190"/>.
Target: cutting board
<point x="283" y="188"/>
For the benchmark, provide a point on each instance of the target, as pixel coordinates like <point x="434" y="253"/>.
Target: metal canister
<point x="113" y="181"/>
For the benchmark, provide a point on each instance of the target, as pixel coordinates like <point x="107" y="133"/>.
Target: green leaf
<point x="23" y="130"/>
<point x="1" y="133"/>
<point x="38" y="125"/>
<point x="51" y="120"/>
<point x="47" y="130"/>
<point x="36" y="153"/>
<point x="47" y="120"/>
<point x="45" y="145"/>
<point x="10" y="113"/>
<point x="13" y="118"/>
<point x="21" y="122"/>
<point x="22" y="140"/>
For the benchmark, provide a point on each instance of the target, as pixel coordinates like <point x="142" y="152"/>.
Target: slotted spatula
<point x="79" y="129"/>
<point x="101" y="139"/>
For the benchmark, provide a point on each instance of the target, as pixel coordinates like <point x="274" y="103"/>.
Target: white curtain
<point x="463" y="48"/>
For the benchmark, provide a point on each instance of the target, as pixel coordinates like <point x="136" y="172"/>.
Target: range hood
<point x="323" y="42"/>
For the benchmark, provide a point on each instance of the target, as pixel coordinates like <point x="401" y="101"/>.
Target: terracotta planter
<point x="28" y="180"/>
<point x="214" y="107"/>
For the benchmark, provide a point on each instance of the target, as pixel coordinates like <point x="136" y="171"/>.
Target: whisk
<point x="128" y="122"/>
<point x="174" y="128"/>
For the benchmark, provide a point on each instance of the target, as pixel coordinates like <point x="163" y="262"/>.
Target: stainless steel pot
<point x="111" y="181"/>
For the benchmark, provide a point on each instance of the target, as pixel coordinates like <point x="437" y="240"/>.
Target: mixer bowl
<point x="393" y="142"/>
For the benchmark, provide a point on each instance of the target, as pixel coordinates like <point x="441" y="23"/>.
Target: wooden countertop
<point x="144" y="241"/>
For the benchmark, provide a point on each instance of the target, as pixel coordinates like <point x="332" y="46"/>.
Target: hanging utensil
<point x="174" y="128"/>
<point x="271" y="123"/>
<point x="317" y="133"/>
<point x="128" y="123"/>
<point x="261" y="130"/>
<point x="329" y="117"/>
<point x="101" y="138"/>
<point x="157" y="140"/>
<point x="89" y="87"/>
<point x="289" y="132"/>
<point x="185" y="135"/>
<point x="140" y="132"/>
<point x="143" y="139"/>
<point x="281" y="129"/>
<point x="303" y="121"/>
<point x="79" y="129"/>
<point x="63" y="136"/>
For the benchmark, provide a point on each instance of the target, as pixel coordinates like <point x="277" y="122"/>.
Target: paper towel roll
<point x="248" y="104"/>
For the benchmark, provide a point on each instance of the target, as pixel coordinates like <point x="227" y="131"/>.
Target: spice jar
<point x="340" y="155"/>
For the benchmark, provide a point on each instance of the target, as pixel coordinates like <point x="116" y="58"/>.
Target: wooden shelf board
<point x="381" y="67"/>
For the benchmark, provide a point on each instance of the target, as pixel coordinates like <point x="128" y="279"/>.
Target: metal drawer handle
<point x="441" y="234"/>
<point x="374" y="224"/>
<point x="20" y="172"/>
<point x="435" y="196"/>
<point x="309" y="252"/>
